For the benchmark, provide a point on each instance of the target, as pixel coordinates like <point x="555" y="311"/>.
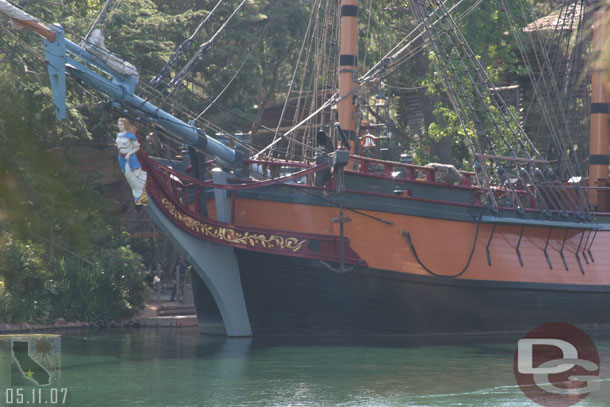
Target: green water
<point x="167" y="367"/>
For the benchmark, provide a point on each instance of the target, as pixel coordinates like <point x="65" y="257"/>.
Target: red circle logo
<point x="557" y="364"/>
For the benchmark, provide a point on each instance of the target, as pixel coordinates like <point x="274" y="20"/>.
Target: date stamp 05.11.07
<point x="30" y="370"/>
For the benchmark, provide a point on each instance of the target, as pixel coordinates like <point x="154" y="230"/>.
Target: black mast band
<point x="599" y="159"/>
<point x="600" y="108"/>
<point x="349" y="11"/>
<point x="346" y="59"/>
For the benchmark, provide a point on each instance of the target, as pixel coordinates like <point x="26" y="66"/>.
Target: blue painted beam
<point x="129" y="82"/>
<point x="80" y="52"/>
<point x="189" y="134"/>
<point x="121" y="88"/>
<point x="55" y="54"/>
<point x="544" y="223"/>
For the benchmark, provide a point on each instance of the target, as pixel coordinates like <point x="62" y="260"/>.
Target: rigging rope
<point x="551" y="116"/>
<point x="367" y="35"/>
<point x="312" y="94"/>
<point x="99" y="17"/>
<point x="482" y="86"/>
<point x="277" y="135"/>
<point x="235" y="75"/>
<point x="203" y="49"/>
<point x="186" y="45"/>
<point x="448" y="40"/>
<point x="294" y="128"/>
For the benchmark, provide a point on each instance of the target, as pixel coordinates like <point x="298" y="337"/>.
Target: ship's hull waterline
<point x="289" y="296"/>
<point x="296" y="296"/>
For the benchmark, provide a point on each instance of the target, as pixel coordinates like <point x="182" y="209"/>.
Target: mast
<point x="600" y="106"/>
<point x="348" y="69"/>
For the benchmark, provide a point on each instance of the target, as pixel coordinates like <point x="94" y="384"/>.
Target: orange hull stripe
<point x="443" y="246"/>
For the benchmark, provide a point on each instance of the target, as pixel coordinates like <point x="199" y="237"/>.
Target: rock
<point x="134" y="323"/>
<point x="60" y="321"/>
<point x="446" y="173"/>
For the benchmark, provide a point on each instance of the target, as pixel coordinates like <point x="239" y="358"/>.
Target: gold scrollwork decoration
<point x="232" y="236"/>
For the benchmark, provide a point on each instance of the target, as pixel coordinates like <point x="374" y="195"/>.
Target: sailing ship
<point x="341" y="243"/>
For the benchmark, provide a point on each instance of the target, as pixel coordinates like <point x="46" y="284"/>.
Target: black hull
<point x="292" y="296"/>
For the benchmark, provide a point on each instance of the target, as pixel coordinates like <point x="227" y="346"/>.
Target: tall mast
<point x="348" y="68"/>
<point x="600" y="106"/>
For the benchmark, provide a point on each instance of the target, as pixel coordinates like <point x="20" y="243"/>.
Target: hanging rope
<point x="407" y="234"/>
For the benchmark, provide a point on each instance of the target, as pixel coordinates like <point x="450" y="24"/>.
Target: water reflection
<point x="164" y="367"/>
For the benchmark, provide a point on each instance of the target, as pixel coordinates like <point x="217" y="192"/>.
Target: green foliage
<point x="111" y="289"/>
<point x="447" y="125"/>
<point x="25" y="275"/>
<point x="120" y="291"/>
<point x="488" y="32"/>
<point x="147" y="32"/>
<point x="41" y="192"/>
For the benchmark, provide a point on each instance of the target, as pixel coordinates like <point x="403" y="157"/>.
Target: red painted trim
<point x="280" y="181"/>
<point x="186" y="178"/>
<point x="289" y="164"/>
<point x="288" y="243"/>
<point x="414" y="181"/>
<point x="397" y="164"/>
<point x="233" y="200"/>
<point x="197" y="199"/>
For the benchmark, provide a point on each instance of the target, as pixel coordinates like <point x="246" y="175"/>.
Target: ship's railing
<point x="191" y="193"/>
<point x="602" y="192"/>
<point x="366" y="165"/>
<point x="556" y="197"/>
<point x="277" y="169"/>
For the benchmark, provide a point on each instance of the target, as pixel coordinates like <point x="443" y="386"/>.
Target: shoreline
<point x="30" y="328"/>
<point x="140" y="320"/>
